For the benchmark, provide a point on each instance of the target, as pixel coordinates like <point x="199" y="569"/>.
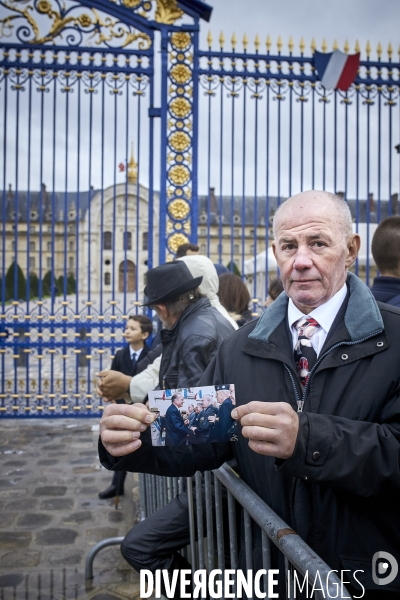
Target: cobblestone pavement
<point x="51" y="515"/>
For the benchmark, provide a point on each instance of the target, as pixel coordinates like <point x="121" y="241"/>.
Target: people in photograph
<point x="176" y="431"/>
<point x="203" y="427"/>
<point x="224" y="427"/>
<point x="156" y="429"/>
<point x="319" y="430"/>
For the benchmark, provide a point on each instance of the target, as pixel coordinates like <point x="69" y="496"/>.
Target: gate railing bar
<point x="296" y="551"/>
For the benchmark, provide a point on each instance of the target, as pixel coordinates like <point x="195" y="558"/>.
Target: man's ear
<point x="353" y="248"/>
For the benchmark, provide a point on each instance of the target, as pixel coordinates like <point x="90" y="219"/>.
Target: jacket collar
<point x="362" y="319"/>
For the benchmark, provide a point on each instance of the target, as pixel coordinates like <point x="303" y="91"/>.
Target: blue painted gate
<point x="122" y="139"/>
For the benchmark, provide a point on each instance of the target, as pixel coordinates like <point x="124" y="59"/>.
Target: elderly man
<point x="193" y="330"/>
<point x="202" y="428"/>
<point x="176" y="431"/>
<point x="224" y="426"/>
<point x="317" y="384"/>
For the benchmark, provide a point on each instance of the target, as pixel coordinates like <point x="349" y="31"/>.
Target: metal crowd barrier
<point x="221" y="489"/>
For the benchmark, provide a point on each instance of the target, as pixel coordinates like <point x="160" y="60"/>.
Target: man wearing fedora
<point x="193" y="330"/>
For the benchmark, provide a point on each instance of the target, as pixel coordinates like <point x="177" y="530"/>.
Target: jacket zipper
<point x="300" y="402"/>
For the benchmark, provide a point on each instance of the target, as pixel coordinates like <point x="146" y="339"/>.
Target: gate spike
<point x="268" y="43"/>
<point x="313" y="45"/>
<point x="357" y="47"/>
<point x="335" y="45"/>
<point x="257" y="42"/>
<point x="245" y="42"/>
<point x="324" y="45"/>
<point x="221" y="40"/>
<point x="233" y="41"/>
<point x="398" y="51"/>
<point x="302" y="46"/>
<point x="379" y="50"/>
<point x="279" y="44"/>
<point x="368" y="49"/>
<point x="390" y="51"/>
<point x="346" y="47"/>
<point x="291" y="45"/>
<point x="209" y="39"/>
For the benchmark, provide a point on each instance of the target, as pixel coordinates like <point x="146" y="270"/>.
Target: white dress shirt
<point x="137" y="353"/>
<point x="324" y="315"/>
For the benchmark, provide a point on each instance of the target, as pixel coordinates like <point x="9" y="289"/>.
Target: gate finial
<point x="379" y="51"/>
<point x="221" y="40"/>
<point x="209" y="39"/>
<point x="257" y="42"/>
<point x="368" y="49"/>
<point x="390" y="51"/>
<point x="268" y="43"/>
<point x="313" y="45"/>
<point x="245" y="42"/>
<point x="346" y="47"/>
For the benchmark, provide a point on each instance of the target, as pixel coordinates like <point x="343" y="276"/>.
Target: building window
<point x="49" y="229"/>
<point x="107" y="278"/>
<point x="13" y="245"/>
<point x="107" y="240"/>
<point x="71" y="263"/>
<point x="49" y="262"/>
<point x="71" y="228"/>
<point x="32" y="247"/>
<point x="203" y="248"/>
<point x="48" y="246"/>
<point x="236" y="232"/>
<point x="252" y="249"/>
<point x="203" y="231"/>
<point x="71" y="246"/>
<point x="32" y="228"/>
<point x="127" y="240"/>
<point x="145" y="240"/>
<point x="31" y="262"/>
<point x="236" y="249"/>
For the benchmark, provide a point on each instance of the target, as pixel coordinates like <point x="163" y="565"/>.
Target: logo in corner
<point x="381" y="561"/>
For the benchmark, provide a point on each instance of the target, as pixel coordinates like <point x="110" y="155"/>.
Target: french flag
<point x="336" y="70"/>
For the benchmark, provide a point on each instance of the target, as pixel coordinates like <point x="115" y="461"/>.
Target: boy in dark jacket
<point x="130" y="361"/>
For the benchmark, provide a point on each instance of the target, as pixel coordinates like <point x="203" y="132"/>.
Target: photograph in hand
<point x="195" y="415"/>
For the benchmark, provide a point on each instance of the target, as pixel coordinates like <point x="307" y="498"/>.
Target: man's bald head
<point x="314" y="246"/>
<point x="319" y="198"/>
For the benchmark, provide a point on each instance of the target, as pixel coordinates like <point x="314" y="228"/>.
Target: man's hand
<point x="121" y="425"/>
<point x="112" y="385"/>
<point x="271" y="427"/>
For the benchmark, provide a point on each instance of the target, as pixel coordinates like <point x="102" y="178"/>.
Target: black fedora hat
<point x="169" y="281"/>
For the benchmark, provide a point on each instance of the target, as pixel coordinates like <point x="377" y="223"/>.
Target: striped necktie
<point x="305" y="356"/>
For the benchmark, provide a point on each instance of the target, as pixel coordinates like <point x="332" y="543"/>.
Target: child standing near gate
<point x="129" y="361"/>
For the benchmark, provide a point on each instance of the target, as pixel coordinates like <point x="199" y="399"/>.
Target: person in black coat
<point x="131" y="360"/>
<point x="323" y="453"/>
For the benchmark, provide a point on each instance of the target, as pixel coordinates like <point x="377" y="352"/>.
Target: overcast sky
<point x="373" y="20"/>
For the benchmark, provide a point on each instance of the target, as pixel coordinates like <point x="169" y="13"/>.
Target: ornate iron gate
<point x="113" y="153"/>
<point x="81" y="219"/>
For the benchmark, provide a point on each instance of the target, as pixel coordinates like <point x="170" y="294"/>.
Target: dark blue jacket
<point x="176" y="431"/>
<point x="387" y="289"/>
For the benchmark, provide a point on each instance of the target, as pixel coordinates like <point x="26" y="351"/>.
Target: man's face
<point x="206" y="401"/>
<point x="222" y="395"/>
<point x="311" y="251"/>
<point x="178" y="400"/>
<point x="190" y="408"/>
